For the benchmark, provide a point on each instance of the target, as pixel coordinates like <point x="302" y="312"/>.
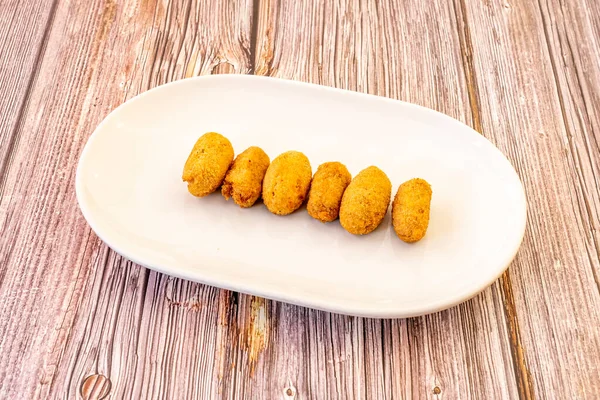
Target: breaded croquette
<point x="207" y="164"/>
<point x="286" y="182"/>
<point x="365" y="201"/>
<point x="410" y="210"/>
<point x="326" y="190"/>
<point x="244" y="179"/>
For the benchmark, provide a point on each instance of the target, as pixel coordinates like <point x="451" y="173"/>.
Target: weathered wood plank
<point x="572" y="32"/>
<point x="69" y="307"/>
<point x="524" y="75"/>
<point x="411" y="52"/>
<point x="24" y="27"/>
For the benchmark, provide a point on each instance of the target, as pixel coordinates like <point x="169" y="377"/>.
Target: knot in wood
<point x="95" y="387"/>
<point x="289" y="393"/>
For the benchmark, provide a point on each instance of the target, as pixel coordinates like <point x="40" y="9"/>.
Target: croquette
<point x="326" y="190"/>
<point x="243" y="181"/>
<point x="365" y="201"/>
<point x="410" y="210"/>
<point x="286" y="183"/>
<point x="207" y="164"/>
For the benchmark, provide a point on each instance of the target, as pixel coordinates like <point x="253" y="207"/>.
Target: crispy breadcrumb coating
<point x="287" y="182"/>
<point x="207" y="164"/>
<point x="244" y="179"/>
<point x="326" y="191"/>
<point x="365" y="201"/>
<point x="410" y="210"/>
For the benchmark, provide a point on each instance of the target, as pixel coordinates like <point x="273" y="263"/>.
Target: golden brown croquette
<point x="244" y="179"/>
<point x="326" y="191"/>
<point x="286" y="182"/>
<point x="365" y="201"/>
<point x="410" y="210"/>
<point x="207" y="164"/>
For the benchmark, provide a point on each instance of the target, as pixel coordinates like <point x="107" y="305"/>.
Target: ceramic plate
<point x="130" y="191"/>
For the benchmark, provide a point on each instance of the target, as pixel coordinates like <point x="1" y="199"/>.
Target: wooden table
<point x="526" y="74"/>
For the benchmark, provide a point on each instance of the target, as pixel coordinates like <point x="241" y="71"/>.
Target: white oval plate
<point x="130" y="191"/>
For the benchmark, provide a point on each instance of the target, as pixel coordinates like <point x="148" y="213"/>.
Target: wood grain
<point x="69" y="306"/>
<point x="525" y="74"/>
<point x="23" y="32"/>
<point x="523" y="112"/>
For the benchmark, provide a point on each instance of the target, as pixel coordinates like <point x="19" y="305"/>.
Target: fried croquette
<point x="286" y="183"/>
<point x="365" y="201"/>
<point x="326" y="190"/>
<point x="207" y="164"/>
<point x="410" y="210"/>
<point x="244" y="179"/>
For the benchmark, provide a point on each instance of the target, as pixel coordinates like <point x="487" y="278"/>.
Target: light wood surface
<point x="526" y="74"/>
